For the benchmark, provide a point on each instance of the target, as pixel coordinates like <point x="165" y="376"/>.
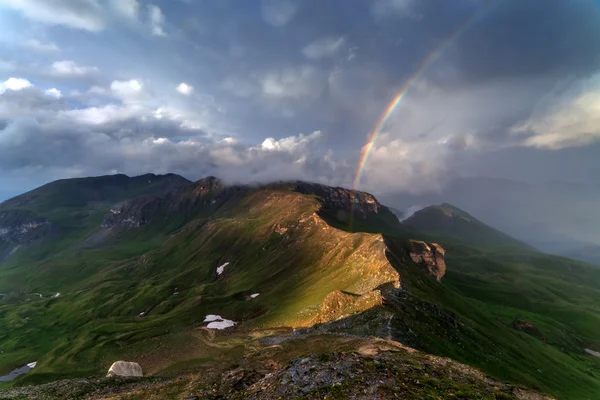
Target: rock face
<point x="23" y="227"/>
<point x="338" y="304"/>
<point x="338" y="198"/>
<point x="124" y="368"/>
<point x="428" y="255"/>
<point x="140" y="211"/>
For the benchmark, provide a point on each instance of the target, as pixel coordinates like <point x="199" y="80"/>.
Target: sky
<point x="261" y="90"/>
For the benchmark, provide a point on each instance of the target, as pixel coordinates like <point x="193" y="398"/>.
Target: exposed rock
<point x="363" y="204"/>
<point x="428" y="255"/>
<point x="528" y="327"/>
<point x="23" y="227"/>
<point x="124" y="368"/>
<point x="338" y="304"/>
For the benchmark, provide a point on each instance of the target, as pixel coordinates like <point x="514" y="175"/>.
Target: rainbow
<point x="391" y="107"/>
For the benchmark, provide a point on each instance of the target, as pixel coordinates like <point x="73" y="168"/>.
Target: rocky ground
<point x="354" y="368"/>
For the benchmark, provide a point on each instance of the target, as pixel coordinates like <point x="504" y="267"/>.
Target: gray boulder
<point x="124" y="368"/>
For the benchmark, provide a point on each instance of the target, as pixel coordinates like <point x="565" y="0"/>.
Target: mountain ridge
<point x="141" y="289"/>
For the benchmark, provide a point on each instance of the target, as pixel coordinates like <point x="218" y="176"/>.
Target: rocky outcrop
<point x="184" y="201"/>
<point x="23" y="227"/>
<point x="336" y="198"/>
<point x="338" y="304"/>
<point x="528" y="327"/>
<point x="124" y="368"/>
<point x="430" y="256"/>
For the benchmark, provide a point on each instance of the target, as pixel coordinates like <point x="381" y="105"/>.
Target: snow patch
<point x="56" y="295"/>
<point x="218" y="322"/>
<point x="142" y="314"/>
<point x="592" y="352"/>
<point x="255" y="295"/>
<point x="221" y="324"/>
<point x="221" y="269"/>
<point x="32" y="364"/>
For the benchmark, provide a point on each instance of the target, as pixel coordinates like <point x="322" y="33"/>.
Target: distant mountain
<point x="552" y="216"/>
<point x="445" y="220"/>
<point x="150" y="269"/>
<point x="589" y="253"/>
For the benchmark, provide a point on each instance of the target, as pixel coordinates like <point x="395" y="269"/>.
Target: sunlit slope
<point x="120" y="293"/>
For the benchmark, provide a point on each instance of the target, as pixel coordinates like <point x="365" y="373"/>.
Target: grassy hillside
<point x="139" y="287"/>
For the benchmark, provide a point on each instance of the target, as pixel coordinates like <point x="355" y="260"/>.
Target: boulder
<point x="124" y="368"/>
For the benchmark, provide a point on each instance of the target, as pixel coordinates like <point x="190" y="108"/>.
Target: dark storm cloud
<point x="272" y="69"/>
<point x="526" y="37"/>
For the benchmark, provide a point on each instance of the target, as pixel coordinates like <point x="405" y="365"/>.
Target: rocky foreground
<point x="356" y="368"/>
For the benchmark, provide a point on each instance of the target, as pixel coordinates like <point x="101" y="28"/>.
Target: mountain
<point x="552" y="216"/>
<point x="589" y="253"/>
<point x="447" y="221"/>
<point x="146" y="272"/>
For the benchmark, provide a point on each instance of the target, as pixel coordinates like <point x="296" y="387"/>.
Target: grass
<point x="106" y="286"/>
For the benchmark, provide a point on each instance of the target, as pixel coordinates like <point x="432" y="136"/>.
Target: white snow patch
<point x="218" y="322"/>
<point x="592" y="352"/>
<point x="221" y="269"/>
<point x="221" y="324"/>
<point x="255" y="295"/>
<point x="32" y="364"/>
<point x="142" y="314"/>
<point x="212" y="317"/>
<point x="56" y="295"/>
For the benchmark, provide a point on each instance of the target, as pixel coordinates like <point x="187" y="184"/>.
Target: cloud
<point x="278" y="12"/>
<point x="14" y="84"/>
<point x="321" y="48"/>
<point x="69" y="68"/>
<point x="82" y="14"/>
<point x="291" y="82"/>
<point x="570" y="118"/>
<point x="157" y="20"/>
<point x="41" y="47"/>
<point x="184" y="89"/>
<point x="45" y="138"/>
<point x="54" y="92"/>
<point x="127" y="8"/>
<point x="127" y="91"/>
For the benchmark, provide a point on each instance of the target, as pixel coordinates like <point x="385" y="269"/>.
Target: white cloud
<point x="127" y="8"/>
<point x="289" y="144"/>
<point x="127" y="91"/>
<point x="568" y="119"/>
<point x="184" y="89"/>
<point x="97" y="90"/>
<point x="41" y="47"/>
<point x="54" y="93"/>
<point x="321" y="48"/>
<point x="71" y="68"/>
<point x="278" y="12"/>
<point x="14" y="84"/>
<point x="99" y="115"/>
<point x="81" y="14"/>
<point x="292" y="82"/>
<point x="157" y="20"/>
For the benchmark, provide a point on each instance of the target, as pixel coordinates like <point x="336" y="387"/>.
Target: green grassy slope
<point x="283" y="245"/>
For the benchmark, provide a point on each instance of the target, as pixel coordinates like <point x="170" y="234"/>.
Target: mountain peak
<point x="448" y="220"/>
